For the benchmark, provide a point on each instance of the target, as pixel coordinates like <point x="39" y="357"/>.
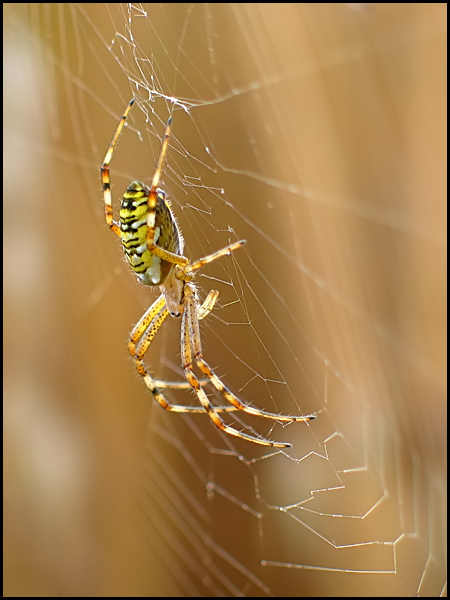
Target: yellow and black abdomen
<point x="150" y="269"/>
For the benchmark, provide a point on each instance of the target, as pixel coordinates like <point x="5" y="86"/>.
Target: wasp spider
<point x="153" y="245"/>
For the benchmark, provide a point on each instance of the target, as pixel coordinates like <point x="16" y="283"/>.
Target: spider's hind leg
<point x="191" y="347"/>
<point x="141" y="337"/>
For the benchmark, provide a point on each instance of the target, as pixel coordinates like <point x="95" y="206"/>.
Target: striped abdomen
<point x="150" y="269"/>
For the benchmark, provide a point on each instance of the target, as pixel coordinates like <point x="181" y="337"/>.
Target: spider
<point x="153" y="245"/>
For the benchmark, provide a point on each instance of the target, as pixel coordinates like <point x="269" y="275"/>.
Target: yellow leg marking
<point x="177" y="385"/>
<point x="195" y="350"/>
<point x="198" y="264"/>
<point x="218" y="421"/>
<point x="207" y="305"/>
<point x="191" y="344"/>
<point x="163" y="402"/>
<point x="170" y="257"/>
<point x="157" y="307"/>
<point x="140" y="340"/>
<point x="152" y="201"/>
<point x="162" y="155"/>
<point x="234" y="400"/>
<point x="150" y="332"/>
<point x="104" y="170"/>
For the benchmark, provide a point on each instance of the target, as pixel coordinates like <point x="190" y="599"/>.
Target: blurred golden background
<point x="325" y="127"/>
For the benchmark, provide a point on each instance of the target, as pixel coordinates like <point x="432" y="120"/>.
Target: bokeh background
<point x="316" y="132"/>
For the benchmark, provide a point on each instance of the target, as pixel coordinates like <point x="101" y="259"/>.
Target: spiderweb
<point x="314" y="132"/>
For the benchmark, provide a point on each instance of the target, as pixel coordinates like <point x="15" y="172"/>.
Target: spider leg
<point x="190" y="341"/>
<point x="176" y="385"/>
<point x="202" y="312"/>
<point x="207" y="305"/>
<point x="140" y="339"/>
<point x="222" y="388"/>
<point x="147" y="327"/>
<point x="198" y="264"/>
<point x="234" y="400"/>
<point x="162" y="155"/>
<point x="104" y="170"/>
<point x="152" y="202"/>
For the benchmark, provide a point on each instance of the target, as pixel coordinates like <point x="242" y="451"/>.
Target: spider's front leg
<point x="104" y="171"/>
<point x="155" y="194"/>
